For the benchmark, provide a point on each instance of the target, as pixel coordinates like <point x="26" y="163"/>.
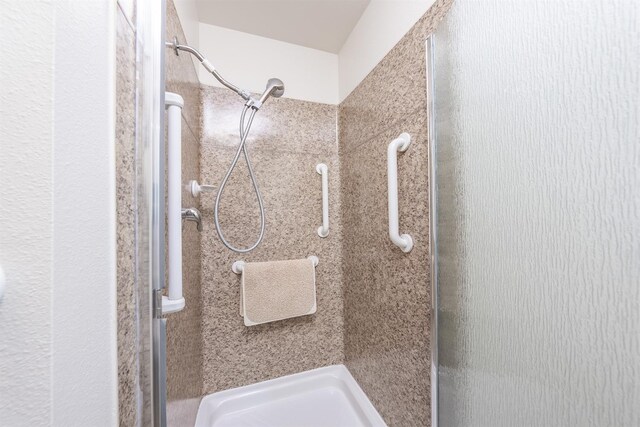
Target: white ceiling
<point x="318" y="24"/>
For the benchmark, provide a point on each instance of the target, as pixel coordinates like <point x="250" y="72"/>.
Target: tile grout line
<point x="126" y="18"/>
<point x="196" y="137"/>
<point x="377" y="134"/>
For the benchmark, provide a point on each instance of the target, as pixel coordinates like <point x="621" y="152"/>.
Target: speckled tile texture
<point x="125" y="227"/>
<point x="287" y="140"/>
<point x="394" y="89"/>
<point x="180" y="73"/>
<point x="387" y="292"/>
<point x="182" y="413"/>
<point x="184" y="350"/>
<point x="184" y="337"/>
<point x="184" y="343"/>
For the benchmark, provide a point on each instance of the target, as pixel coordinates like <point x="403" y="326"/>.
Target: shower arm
<point x="176" y="46"/>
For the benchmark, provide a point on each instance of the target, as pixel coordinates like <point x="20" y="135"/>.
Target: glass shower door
<point x="536" y="170"/>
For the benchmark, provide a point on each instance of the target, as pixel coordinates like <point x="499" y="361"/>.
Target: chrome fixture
<point x="177" y="47"/>
<point x="274" y="88"/>
<point x="242" y="148"/>
<point x="192" y="214"/>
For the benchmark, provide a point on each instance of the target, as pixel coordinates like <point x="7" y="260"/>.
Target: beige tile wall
<point x="184" y="350"/>
<point x="287" y="140"/>
<point x="387" y="293"/>
<point x="184" y="337"/>
<point x="373" y="300"/>
<point x="125" y="193"/>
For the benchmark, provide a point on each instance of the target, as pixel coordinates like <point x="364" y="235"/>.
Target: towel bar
<point x="401" y="144"/>
<point x="238" y="266"/>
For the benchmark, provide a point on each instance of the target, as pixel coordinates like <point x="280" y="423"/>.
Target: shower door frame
<point x="159" y="324"/>
<point x="150" y="207"/>
<point x="433" y="223"/>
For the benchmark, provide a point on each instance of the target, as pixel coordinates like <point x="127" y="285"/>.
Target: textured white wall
<point x="85" y="379"/>
<point x="249" y="61"/>
<point x="538" y="110"/>
<point x="26" y="211"/>
<point x="57" y="213"/>
<point x="380" y="28"/>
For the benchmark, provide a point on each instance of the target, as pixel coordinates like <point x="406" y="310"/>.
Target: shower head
<point x="274" y="88"/>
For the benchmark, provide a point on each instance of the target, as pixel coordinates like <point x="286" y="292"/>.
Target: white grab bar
<point x="322" y="169"/>
<point x="401" y="143"/>
<point x="174" y="301"/>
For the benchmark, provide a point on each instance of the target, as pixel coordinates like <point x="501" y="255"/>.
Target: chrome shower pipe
<point x="176" y="46"/>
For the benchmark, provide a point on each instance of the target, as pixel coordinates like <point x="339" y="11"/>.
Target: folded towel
<point x="277" y="290"/>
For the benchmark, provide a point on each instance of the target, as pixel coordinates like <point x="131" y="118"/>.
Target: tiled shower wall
<point x="373" y="303"/>
<point x="288" y="139"/>
<point x="125" y="227"/>
<point x="184" y="350"/>
<point x="387" y="292"/>
<point x="184" y="338"/>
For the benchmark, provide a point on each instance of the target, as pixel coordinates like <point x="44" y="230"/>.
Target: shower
<point x="275" y="88"/>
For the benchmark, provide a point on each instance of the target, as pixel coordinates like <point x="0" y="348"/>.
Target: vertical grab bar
<point x="322" y="169"/>
<point x="401" y="143"/>
<point x="174" y="301"/>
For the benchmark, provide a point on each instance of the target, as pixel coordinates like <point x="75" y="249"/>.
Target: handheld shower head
<point x="274" y="88"/>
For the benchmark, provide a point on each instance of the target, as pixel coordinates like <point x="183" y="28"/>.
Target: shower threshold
<point x="323" y="397"/>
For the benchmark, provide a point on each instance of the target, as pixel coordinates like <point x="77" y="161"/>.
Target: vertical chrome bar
<point x="149" y="166"/>
<point x="433" y="231"/>
<point x="158" y="220"/>
<point x="157" y="51"/>
<point x="160" y="372"/>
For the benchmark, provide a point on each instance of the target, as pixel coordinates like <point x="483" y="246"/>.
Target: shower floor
<point x="324" y="397"/>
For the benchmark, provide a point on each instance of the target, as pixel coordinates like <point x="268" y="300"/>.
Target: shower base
<point x="324" y="397"/>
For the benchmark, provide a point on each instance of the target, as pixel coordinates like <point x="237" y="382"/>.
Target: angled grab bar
<point x="322" y="169"/>
<point x="401" y="144"/>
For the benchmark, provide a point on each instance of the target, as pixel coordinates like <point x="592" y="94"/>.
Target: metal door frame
<point x="433" y="223"/>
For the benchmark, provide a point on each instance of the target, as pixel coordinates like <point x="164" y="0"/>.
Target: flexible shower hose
<point x="244" y="132"/>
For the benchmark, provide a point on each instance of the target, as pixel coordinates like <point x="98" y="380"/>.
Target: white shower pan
<point x="324" y="397"/>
